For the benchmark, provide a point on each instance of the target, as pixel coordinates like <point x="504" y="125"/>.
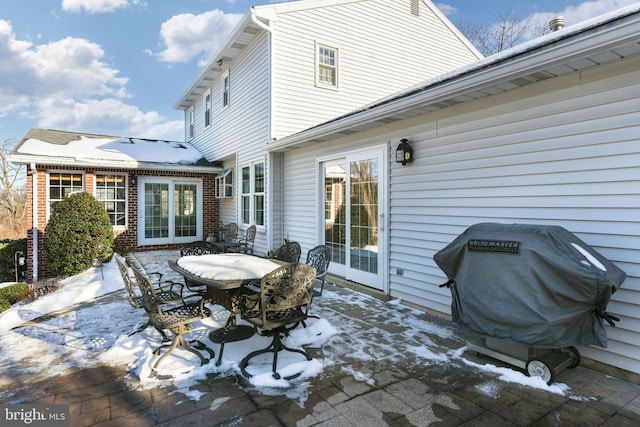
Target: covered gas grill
<point x="530" y="292"/>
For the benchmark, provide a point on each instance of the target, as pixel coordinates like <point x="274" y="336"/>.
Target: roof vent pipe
<point x="556" y="23"/>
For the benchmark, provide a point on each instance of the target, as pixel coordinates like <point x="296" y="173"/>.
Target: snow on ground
<point x="89" y="322"/>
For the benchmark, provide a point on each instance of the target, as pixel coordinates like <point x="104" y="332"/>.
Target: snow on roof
<point x="57" y="147"/>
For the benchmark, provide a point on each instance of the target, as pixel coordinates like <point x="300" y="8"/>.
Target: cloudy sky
<point x="117" y="66"/>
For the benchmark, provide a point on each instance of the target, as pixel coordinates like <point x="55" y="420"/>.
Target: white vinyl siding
<point x="242" y="126"/>
<point x="562" y="152"/>
<point x="375" y="39"/>
<point x="566" y="155"/>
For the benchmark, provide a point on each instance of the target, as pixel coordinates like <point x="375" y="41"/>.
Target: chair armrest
<point x="157" y="275"/>
<point x="169" y="285"/>
<point x="247" y="300"/>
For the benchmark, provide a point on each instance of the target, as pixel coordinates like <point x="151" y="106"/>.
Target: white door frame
<point x="380" y="153"/>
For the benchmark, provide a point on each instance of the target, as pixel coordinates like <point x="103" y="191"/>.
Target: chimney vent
<point x="556" y="23"/>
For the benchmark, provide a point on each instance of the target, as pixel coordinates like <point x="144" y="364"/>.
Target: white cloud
<point x="447" y="9"/>
<point x="69" y="66"/>
<point x="108" y="116"/>
<point x="187" y="35"/>
<point x="583" y="11"/>
<point x="96" y="6"/>
<point x="591" y="9"/>
<point x="65" y="85"/>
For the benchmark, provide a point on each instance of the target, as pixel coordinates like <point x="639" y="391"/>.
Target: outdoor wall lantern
<point x="132" y="179"/>
<point x="404" y="153"/>
<point x="19" y="260"/>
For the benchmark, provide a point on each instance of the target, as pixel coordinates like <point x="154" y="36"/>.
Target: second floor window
<point x="207" y="110"/>
<point x="191" y="118"/>
<point x="327" y="67"/>
<point x="111" y="191"/>
<point x="225" y="90"/>
<point x="253" y="181"/>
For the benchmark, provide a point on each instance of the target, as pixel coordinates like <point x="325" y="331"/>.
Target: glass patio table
<point x="225" y="277"/>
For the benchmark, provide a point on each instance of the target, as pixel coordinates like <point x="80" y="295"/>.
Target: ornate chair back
<point x="319" y="258"/>
<point x="289" y="252"/>
<point x="135" y="300"/>
<point x="245" y="244"/>
<point x="199" y="248"/>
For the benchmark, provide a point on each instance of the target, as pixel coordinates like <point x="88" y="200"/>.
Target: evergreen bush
<point x="11" y="294"/>
<point x="76" y="226"/>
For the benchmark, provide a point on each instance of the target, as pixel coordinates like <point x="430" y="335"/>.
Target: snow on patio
<point x="89" y="322"/>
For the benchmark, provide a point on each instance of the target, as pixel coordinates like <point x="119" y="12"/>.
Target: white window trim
<point x="252" y="193"/>
<point x="318" y="83"/>
<point x="210" y="110"/>
<point x="225" y="76"/>
<point x="142" y="241"/>
<point x="223" y="189"/>
<point x="126" y="196"/>
<point x="191" y="125"/>
<point x="50" y="171"/>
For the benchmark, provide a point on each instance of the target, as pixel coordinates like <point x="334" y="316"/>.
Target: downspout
<point x="270" y="178"/>
<point x="34" y="219"/>
<point x="267" y="28"/>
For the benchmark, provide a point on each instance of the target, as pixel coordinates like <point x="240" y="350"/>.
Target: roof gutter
<point x="70" y="161"/>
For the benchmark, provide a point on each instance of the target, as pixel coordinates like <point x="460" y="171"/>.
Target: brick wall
<point x="126" y="240"/>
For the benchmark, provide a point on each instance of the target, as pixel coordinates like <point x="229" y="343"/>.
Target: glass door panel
<point x="352" y="215"/>
<point x="156" y="211"/>
<point x="185" y="210"/>
<point x="335" y="208"/>
<point x="364" y="215"/>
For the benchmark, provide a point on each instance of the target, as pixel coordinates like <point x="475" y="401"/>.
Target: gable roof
<point x="259" y="19"/>
<point x="61" y="148"/>
<point x="597" y="41"/>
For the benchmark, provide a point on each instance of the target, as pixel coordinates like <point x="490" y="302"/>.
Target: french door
<point x="353" y="216"/>
<point x="169" y="210"/>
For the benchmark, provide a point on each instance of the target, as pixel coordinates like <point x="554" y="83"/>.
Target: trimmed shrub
<point x="9" y="295"/>
<point x="76" y="227"/>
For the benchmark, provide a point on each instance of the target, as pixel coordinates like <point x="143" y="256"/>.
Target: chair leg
<point x="179" y="340"/>
<point x="275" y="347"/>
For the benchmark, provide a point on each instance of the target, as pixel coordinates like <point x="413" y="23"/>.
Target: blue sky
<point x="117" y="66"/>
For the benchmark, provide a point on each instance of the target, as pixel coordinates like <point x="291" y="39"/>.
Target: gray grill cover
<point x="532" y="284"/>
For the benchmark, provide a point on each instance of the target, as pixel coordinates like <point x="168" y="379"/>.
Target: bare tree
<point x="507" y="30"/>
<point x="12" y="195"/>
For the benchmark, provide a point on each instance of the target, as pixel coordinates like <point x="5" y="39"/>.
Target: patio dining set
<point x="272" y="294"/>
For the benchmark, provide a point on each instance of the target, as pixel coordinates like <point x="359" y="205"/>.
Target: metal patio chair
<point x="319" y="258"/>
<point x="197" y="248"/>
<point x="229" y="237"/>
<point x="285" y="298"/>
<point x="289" y="252"/>
<point x="244" y="244"/>
<point x="175" y="319"/>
